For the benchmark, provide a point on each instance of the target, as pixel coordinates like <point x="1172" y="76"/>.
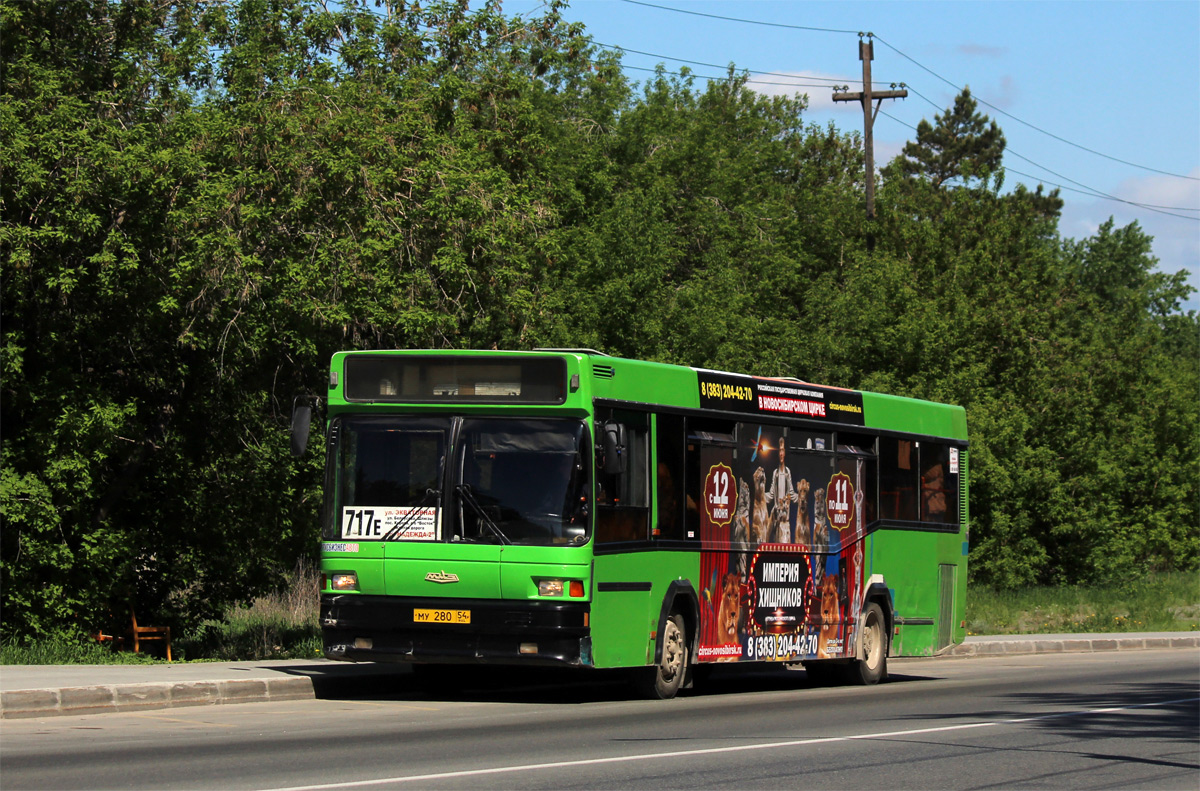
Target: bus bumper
<point x="359" y="628"/>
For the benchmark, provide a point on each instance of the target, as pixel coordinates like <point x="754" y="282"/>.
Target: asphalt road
<point x="1116" y="720"/>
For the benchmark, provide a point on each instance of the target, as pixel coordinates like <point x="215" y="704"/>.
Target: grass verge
<point x="284" y="625"/>
<point x="281" y="625"/>
<point x="1166" y="602"/>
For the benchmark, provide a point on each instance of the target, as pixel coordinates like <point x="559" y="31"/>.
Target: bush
<point x="280" y="625"/>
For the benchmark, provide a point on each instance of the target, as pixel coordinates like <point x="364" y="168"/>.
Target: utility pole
<point x="866" y="53"/>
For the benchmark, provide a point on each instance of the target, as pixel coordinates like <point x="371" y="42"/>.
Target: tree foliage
<point x="201" y="201"/>
<point x="961" y="144"/>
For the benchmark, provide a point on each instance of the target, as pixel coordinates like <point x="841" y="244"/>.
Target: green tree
<point x="961" y="144"/>
<point x="252" y="186"/>
<point x="714" y="216"/>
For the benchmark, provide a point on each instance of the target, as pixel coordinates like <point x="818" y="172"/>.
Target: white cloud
<point x="982" y="50"/>
<point x="1176" y="230"/>
<point x="1165" y="191"/>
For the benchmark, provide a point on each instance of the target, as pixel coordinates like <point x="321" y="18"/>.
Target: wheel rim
<point x="872" y="641"/>
<point x="672" y="661"/>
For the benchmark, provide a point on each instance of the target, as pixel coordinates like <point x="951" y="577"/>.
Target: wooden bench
<point x="140" y="633"/>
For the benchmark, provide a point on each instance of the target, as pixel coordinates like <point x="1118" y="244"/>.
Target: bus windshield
<point x="521" y="481"/>
<point x="512" y="480"/>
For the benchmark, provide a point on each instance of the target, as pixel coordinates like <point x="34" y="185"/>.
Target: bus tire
<point x="662" y="681"/>
<point x="872" y="668"/>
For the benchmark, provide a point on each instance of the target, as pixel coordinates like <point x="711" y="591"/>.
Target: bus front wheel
<point x="872" y="668"/>
<point x="662" y="681"/>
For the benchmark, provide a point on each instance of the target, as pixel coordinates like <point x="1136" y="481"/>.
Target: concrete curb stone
<point x="113" y="698"/>
<point x="234" y="682"/>
<point x="1017" y="645"/>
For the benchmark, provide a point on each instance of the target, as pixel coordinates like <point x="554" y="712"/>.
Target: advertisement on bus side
<point x="782" y="567"/>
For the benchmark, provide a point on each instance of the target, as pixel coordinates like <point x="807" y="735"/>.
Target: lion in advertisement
<point x="729" y="611"/>
<point x="831" y="620"/>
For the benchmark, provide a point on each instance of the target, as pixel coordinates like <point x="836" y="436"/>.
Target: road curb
<point x="303" y="681"/>
<point x="1082" y="644"/>
<point x="123" y="698"/>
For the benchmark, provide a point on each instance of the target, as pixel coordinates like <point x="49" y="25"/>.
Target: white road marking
<point x="719" y="750"/>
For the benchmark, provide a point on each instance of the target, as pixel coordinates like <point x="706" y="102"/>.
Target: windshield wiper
<point x="464" y="491"/>
<point x="410" y="519"/>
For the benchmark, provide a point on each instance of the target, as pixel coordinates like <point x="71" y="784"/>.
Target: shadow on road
<point x="480" y="683"/>
<point x="1131" y="712"/>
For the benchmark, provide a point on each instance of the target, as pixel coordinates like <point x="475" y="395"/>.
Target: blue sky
<point x="1120" y="78"/>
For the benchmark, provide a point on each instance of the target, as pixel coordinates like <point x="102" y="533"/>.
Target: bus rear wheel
<point x="872" y="668"/>
<point x="662" y="681"/>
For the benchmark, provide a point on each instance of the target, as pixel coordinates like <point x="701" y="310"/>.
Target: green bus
<point x="564" y="507"/>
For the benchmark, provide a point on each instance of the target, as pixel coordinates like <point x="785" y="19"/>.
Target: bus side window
<point x="623" y="499"/>
<point x="898" y="479"/>
<point x="939" y="485"/>
<point x="669" y="441"/>
<point x="857" y="459"/>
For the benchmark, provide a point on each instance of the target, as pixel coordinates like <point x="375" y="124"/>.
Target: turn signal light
<point x="573" y="588"/>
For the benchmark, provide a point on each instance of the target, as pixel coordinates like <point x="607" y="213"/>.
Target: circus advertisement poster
<point x="781" y="529"/>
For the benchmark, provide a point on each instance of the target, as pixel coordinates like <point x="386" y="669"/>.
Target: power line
<point x="722" y="78"/>
<point x="736" y="19"/>
<point x="931" y="102"/>
<point x="1033" y="126"/>
<point x="919" y="65"/>
<point x="1086" y="190"/>
<point x="834" y="80"/>
<point x="1095" y="191"/>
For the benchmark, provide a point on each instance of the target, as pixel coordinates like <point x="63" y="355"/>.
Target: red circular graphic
<point x="840" y="501"/>
<point x="720" y="494"/>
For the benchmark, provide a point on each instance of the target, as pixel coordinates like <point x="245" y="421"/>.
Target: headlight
<point x="344" y="581"/>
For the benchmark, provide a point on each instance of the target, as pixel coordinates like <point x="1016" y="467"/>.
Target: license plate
<point x="441" y="616"/>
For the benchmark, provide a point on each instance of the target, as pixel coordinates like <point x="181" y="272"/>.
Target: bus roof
<point x="682" y="387"/>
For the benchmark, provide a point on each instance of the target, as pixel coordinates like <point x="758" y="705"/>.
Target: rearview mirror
<point x="301" y="422"/>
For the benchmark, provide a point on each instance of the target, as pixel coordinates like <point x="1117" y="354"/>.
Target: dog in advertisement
<point x="818" y="543"/>
<point x="802" y="522"/>
<point x="740" y="537"/>
<point x="762" y="517"/>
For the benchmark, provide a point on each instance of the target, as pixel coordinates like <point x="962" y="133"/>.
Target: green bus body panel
<point x="647" y="383"/>
<point x="909" y="561"/>
<point x="915" y="417"/>
<point x="624" y="622"/>
<point x="477" y="568"/>
<point x="522" y="567"/>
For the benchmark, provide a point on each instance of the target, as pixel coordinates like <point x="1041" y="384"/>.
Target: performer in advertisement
<point x="782" y="494"/>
